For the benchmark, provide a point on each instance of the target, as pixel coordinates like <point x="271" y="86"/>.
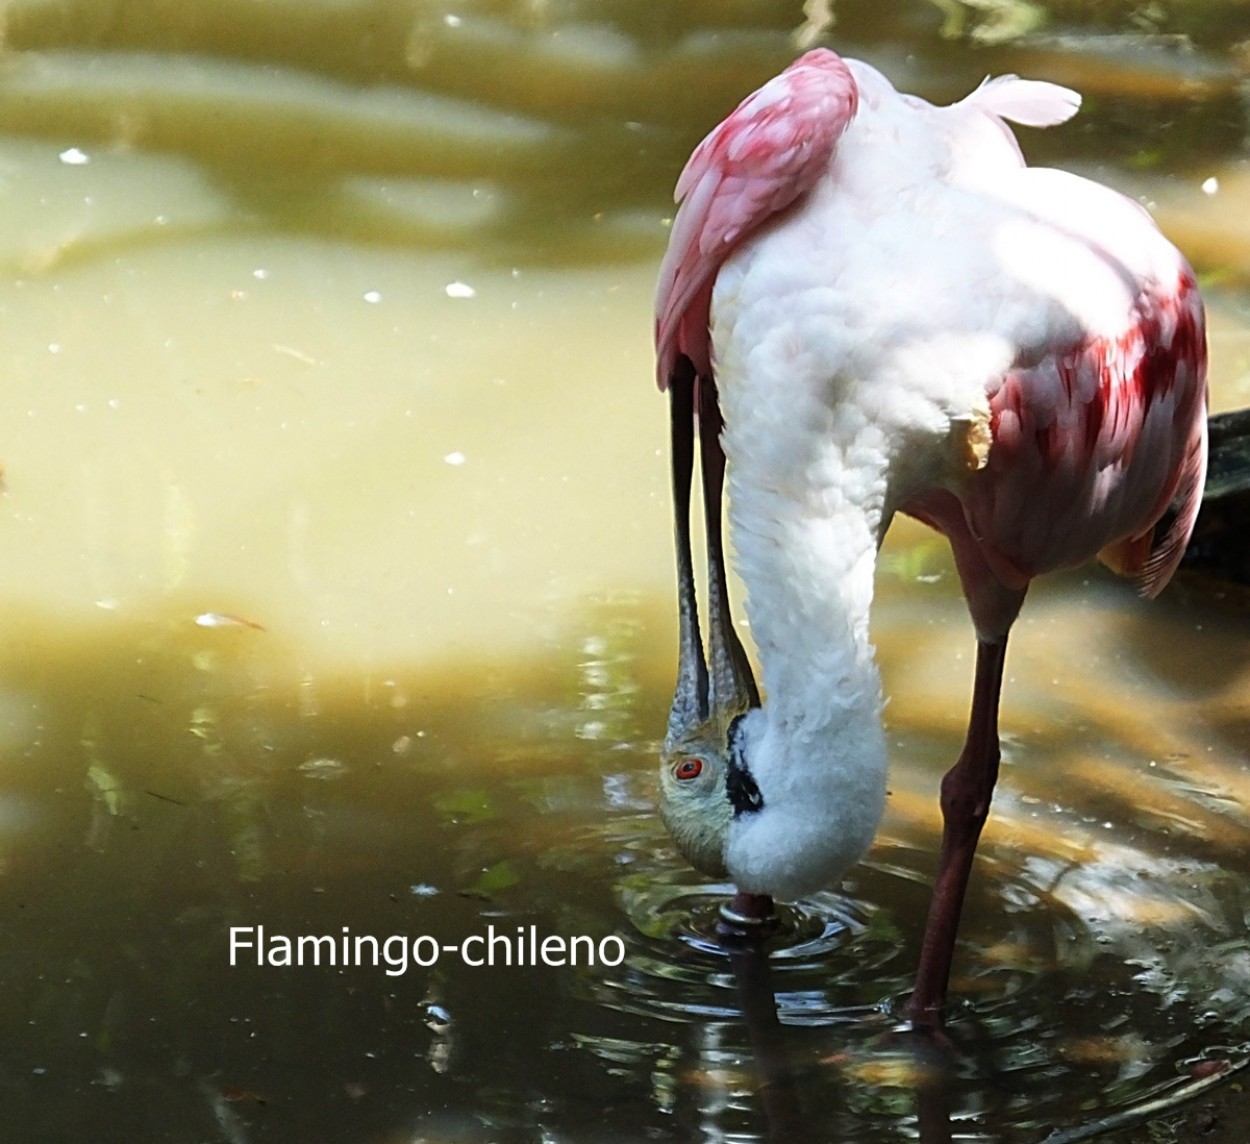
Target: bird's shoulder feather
<point x="769" y="152"/>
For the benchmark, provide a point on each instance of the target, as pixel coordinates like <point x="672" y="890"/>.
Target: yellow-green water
<point x="337" y="584"/>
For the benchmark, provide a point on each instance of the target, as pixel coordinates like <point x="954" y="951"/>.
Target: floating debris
<point x="226" y="620"/>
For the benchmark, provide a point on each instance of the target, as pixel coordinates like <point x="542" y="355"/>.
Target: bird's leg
<point x="746" y="914"/>
<point x="966" y="792"/>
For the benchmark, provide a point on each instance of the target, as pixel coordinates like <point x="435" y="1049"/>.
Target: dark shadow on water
<point x="164" y="782"/>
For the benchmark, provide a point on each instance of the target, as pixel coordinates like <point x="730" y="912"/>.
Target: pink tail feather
<point x="1167" y="553"/>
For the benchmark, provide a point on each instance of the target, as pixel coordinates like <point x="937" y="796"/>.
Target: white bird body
<point x="1014" y="355"/>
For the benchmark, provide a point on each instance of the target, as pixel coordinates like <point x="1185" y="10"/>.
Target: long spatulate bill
<point x="690" y="699"/>
<point x="732" y="685"/>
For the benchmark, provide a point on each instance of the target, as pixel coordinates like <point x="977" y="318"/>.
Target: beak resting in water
<point x="710" y="697"/>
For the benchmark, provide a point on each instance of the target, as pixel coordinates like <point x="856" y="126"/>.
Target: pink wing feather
<point x="1091" y="447"/>
<point x="769" y="152"/>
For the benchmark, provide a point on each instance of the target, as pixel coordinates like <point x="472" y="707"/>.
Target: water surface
<point x="338" y="584"/>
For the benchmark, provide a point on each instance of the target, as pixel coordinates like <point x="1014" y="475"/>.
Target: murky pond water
<point x="337" y="587"/>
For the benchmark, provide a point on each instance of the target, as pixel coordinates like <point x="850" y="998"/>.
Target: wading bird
<point x="893" y="313"/>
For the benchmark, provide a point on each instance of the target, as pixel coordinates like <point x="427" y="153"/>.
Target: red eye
<point x="689" y="769"/>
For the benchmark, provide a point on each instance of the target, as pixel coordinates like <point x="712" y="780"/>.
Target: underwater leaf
<point x="205" y="725"/>
<point x="501" y="876"/>
<point x="989" y="21"/>
<point x="467" y="806"/>
<point x="106" y="787"/>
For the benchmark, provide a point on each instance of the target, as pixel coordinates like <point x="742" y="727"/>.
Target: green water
<point x="337" y="601"/>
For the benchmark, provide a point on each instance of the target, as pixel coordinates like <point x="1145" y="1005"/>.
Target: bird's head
<point x="706" y="785"/>
<point x="694" y="803"/>
<point x="695" y="807"/>
<point x="740" y="803"/>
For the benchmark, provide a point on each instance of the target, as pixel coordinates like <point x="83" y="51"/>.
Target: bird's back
<point x="931" y="282"/>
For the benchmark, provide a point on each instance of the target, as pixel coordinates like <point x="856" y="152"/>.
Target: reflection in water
<point x="325" y="416"/>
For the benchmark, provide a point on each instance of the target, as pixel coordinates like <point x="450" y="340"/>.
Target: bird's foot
<point x="747" y="916"/>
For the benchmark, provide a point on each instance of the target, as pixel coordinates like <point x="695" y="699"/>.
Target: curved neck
<point x="806" y="549"/>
